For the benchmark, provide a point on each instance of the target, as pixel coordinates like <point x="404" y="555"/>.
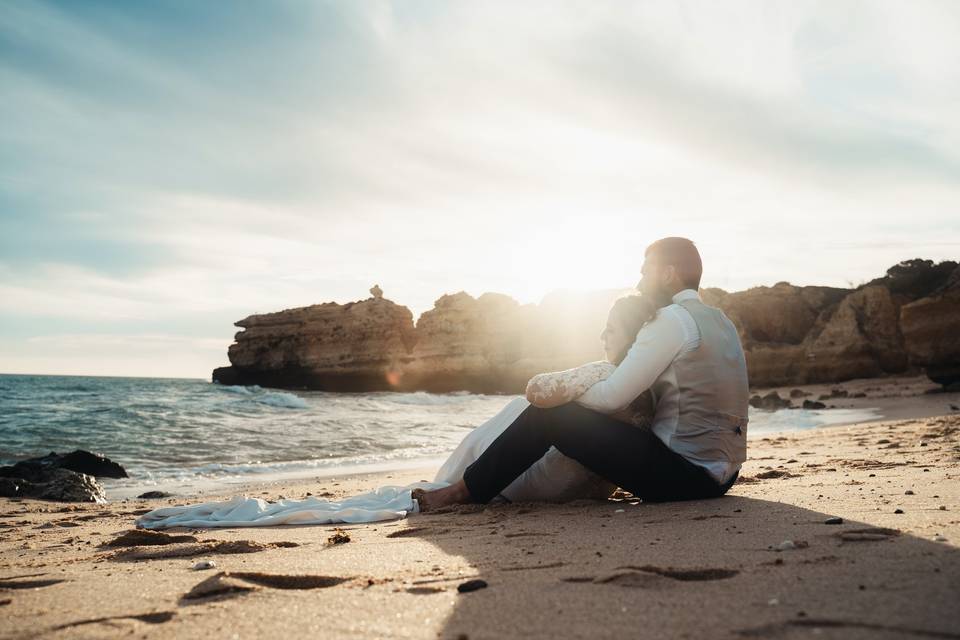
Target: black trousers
<point x="630" y="457"/>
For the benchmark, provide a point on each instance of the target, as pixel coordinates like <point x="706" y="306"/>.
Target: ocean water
<point x="183" y="434"/>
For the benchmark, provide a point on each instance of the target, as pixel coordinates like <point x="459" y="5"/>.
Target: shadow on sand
<point x="694" y="569"/>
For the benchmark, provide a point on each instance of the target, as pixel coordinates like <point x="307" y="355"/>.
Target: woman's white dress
<point x="553" y="478"/>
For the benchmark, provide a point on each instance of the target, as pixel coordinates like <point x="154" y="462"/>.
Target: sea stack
<point x="358" y="346"/>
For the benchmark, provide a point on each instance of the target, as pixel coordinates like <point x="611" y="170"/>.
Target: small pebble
<point x="908" y="492"/>
<point x="339" y="537"/>
<point x="833" y="521"/>
<point x="898" y="510"/>
<point x="773" y="602"/>
<point x="471" y="585"/>
<point x="791" y="544"/>
<point x="942" y="507"/>
<point x="619" y="511"/>
<point x="205" y="564"/>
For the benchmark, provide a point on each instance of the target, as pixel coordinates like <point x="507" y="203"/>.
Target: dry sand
<point x="613" y="569"/>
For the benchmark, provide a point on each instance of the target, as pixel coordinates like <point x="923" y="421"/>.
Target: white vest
<point x="712" y="390"/>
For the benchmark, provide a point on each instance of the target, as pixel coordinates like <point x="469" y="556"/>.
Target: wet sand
<point x="761" y="562"/>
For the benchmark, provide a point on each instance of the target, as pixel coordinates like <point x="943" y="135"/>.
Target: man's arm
<point x="657" y="344"/>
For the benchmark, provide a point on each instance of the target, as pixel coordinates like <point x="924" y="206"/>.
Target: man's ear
<point x="668" y="276"/>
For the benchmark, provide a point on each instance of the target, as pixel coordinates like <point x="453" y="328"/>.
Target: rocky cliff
<point x="359" y="345"/>
<point x="931" y="330"/>
<point x="792" y="335"/>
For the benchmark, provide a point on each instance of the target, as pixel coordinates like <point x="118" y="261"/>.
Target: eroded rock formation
<point x="931" y="329"/>
<point x="799" y="335"/>
<point x="488" y="344"/>
<point x="354" y="346"/>
<point x="791" y="335"/>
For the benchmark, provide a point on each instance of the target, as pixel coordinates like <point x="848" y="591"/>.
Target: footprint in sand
<point x="415" y="531"/>
<point x="13" y="583"/>
<point x="532" y="567"/>
<point x="424" y="591"/>
<point x="649" y="576"/>
<point x="145" y="537"/>
<point x="867" y="535"/>
<point x="774" y="473"/>
<point x="632" y="579"/>
<point x="92" y="516"/>
<point x="237" y="583"/>
<point x="198" y="549"/>
<point x="157" y="617"/>
<point x="58" y="524"/>
<point x="687" y="575"/>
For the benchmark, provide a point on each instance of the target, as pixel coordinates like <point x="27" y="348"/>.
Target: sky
<point x="168" y="168"/>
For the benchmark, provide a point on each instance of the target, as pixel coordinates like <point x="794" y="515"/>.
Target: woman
<point x="553" y="478"/>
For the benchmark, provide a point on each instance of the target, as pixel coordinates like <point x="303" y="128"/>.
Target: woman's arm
<point x="657" y="344"/>
<point x="552" y="389"/>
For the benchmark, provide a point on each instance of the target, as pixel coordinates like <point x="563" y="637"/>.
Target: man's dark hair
<point x="682" y="254"/>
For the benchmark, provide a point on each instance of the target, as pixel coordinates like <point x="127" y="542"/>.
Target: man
<point x="689" y="356"/>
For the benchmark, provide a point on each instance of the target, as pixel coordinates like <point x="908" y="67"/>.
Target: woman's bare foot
<point x="454" y="494"/>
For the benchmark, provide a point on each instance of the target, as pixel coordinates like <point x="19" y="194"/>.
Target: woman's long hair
<point x="629" y="313"/>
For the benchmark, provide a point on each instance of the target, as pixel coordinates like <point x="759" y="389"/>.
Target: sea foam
<point x="256" y="393"/>
<point x="281" y="399"/>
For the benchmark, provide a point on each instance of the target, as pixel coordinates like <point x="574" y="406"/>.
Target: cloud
<point x="184" y="164"/>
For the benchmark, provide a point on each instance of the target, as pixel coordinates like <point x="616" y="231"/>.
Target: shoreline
<point x="888" y="398"/>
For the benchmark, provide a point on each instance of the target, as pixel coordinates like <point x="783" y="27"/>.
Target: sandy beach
<point x="762" y="561"/>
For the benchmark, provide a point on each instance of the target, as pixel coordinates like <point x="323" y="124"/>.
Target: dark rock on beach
<point x="770" y="402"/>
<point x="69" y="477"/>
<point x="154" y="495"/>
<point x="471" y="585"/>
<point x="80" y="461"/>
<point x="813" y="404"/>
<point x="59" y="484"/>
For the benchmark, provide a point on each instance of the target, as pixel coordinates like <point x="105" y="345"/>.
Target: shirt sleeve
<point x="656" y="346"/>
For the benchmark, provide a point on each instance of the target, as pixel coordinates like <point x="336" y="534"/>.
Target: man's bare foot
<point x="454" y="494"/>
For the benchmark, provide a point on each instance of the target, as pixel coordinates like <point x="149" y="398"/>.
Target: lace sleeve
<point x="547" y="390"/>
